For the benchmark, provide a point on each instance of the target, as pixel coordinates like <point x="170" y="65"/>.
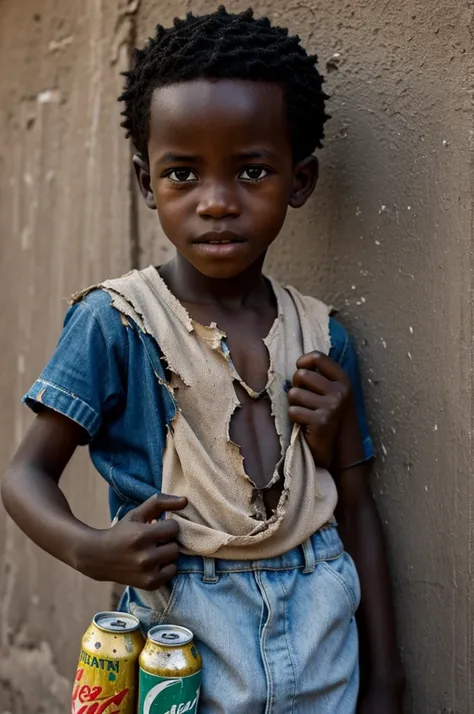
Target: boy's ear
<point x="304" y="180"/>
<point x="142" y="171"/>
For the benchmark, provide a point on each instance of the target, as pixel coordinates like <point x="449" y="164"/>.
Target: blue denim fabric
<point x="276" y="636"/>
<point x="109" y="378"/>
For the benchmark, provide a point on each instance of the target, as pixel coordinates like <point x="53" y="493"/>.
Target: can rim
<point x="134" y="621"/>
<point x="159" y="628"/>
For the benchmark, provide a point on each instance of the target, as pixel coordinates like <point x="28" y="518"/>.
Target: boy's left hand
<point x="318" y="399"/>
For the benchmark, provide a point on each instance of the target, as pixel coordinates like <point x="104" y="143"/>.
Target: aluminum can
<point x="170" y="672"/>
<point x="107" y="674"/>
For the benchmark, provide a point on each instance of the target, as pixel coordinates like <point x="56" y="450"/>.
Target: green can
<point x="170" y="672"/>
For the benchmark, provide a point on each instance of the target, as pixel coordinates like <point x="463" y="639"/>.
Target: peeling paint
<point x="56" y="45"/>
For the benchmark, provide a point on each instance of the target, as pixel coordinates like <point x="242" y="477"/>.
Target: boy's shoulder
<point x="313" y="307"/>
<point x="101" y="299"/>
<point x="92" y="312"/>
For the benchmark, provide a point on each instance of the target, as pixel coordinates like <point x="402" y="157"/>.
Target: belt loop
<point x="209" y="575"/>
<point x="308" y="552"/>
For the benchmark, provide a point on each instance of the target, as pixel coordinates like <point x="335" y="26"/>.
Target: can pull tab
<point x="170" y="636"/>
<point x="118" y="623"/>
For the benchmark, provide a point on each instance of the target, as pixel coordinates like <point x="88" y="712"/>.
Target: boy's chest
<point x="244" y="338"/>
<point x="245" y="371"/>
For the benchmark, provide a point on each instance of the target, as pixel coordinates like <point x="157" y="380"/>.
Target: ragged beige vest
<point x="225" y="517"/>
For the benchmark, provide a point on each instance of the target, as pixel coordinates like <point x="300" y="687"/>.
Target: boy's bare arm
<point x="322" y="401"/>
<point x="135" y="551"/>
<point x="362" y="534"/>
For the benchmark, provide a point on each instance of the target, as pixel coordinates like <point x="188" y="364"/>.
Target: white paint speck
<point x="426" y="488"/>
<point x="20" y="363"/>
<point x="445" y="143"/>
<point x="353" y="287"/>
<point x="358" y="211"/>
<point x="383" y="342"/>
<point x="377" y="242"/>
<point x="362" y="300"/>
<point x="411" y="330"/>
<point x="49" y="95"/>
<point x="382" y="209"/>
<point x="435" y="428"/>
<point x="408" y="208"/>
<point x="409" y="356"/>
<point x="384" y="450"/>
<point x="25" y="238"/>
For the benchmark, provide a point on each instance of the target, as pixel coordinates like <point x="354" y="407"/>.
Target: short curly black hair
<point x="231" y="46"/>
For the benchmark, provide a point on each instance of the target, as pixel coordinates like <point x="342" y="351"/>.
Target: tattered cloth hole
<point x="244" y="397"/>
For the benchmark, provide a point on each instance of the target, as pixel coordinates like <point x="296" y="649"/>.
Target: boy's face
<point x="221" y="173"/>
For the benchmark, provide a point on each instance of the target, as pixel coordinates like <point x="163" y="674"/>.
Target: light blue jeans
<point x="276" y="636"/>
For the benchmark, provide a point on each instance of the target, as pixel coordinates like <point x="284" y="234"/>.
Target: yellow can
<point x="107" y="674"/>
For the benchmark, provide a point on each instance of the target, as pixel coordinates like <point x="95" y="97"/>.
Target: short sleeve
<point x="82" y="380"/>
<point x="343" y="352"/>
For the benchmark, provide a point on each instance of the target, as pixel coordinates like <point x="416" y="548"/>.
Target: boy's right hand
<point x="140" y="550"/>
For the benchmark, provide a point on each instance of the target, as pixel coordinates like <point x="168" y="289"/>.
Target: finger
<point x="309" y="400"/>
<point x="309" y="417"/>
<point x="160" y="532"/>
<point x="167" y="573"/>
<point x="158" y="577"/>
<point x="312" y="381"/>
<point x="165" y="554"/>
<point x="323" y="364"/>
<point x="155" y="506"/>
<point x="300" y="415"/>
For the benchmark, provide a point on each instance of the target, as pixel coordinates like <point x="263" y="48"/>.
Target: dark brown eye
<point x="182" y="175"/>
<point x="253" y="173"/>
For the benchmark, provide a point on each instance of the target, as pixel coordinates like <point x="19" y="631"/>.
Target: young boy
<point x="204" y="379"/>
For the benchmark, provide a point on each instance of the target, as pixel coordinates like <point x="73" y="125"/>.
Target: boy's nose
<point x="218" y="201"/>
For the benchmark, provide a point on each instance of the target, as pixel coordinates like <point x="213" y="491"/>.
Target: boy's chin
<point x="221" y="272"/>
<point x="221" y="268"/>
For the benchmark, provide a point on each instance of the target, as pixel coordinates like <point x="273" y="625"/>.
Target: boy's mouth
<point x="219" y="244"/>
<point x="219" y="238"/>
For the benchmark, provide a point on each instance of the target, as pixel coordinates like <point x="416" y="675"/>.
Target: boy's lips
<point x="219" y="238"/>
<point x="223" y="244"/>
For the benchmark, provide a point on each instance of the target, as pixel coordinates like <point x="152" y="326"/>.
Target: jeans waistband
<point x="323" y="545"/>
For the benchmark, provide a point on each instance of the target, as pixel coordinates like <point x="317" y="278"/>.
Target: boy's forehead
<point x="194" y="111"/>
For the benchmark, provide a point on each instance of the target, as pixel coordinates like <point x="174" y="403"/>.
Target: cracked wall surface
<point x="64" y="223"/>
<point x="387" y="238"/>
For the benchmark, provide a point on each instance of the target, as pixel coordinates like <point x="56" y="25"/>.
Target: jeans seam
<point x="350" y="595"/>
<point x="157" y="616"/>
<point x="266" y="665"/>
<point x="176" y="589"/>
<point x="219" y="571"/>
<point x="288" y="644"/>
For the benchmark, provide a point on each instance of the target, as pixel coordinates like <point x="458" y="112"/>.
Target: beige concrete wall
<point x="387" y="238"/>
<point x="64" y="222"/>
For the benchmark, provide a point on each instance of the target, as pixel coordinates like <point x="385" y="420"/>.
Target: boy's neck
<point x="190" y="286"/>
